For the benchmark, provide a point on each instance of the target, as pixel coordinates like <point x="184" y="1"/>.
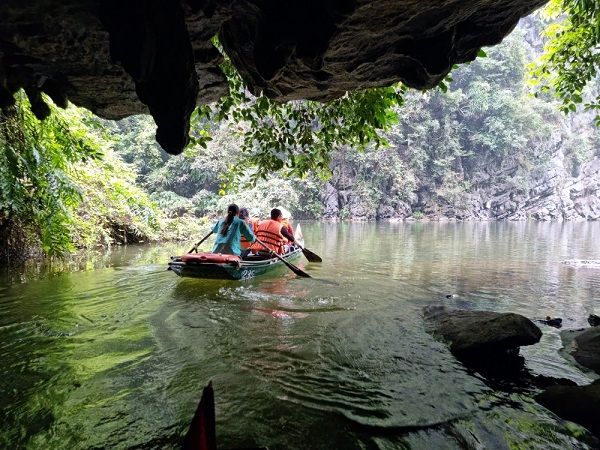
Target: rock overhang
<point x="155" y="56"/>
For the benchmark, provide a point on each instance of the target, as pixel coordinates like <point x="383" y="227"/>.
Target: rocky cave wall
<point x="119" y="58"/>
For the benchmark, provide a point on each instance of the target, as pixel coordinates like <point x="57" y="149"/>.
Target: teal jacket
<point x="230" y="242"/>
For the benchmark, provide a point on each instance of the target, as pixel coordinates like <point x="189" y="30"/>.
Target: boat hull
<point x="229" y="271"/>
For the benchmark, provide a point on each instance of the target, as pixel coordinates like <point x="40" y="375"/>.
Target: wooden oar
<point x="195" y="247"/>
<point x="312" y="257"/>
<point x="292" y="267"/>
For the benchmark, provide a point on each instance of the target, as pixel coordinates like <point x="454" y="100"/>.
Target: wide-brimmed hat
<point x="285" y="214"/>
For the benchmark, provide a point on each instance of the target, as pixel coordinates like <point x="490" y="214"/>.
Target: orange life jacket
<point x="253" y="224"/>
<point x="269" y="232"/>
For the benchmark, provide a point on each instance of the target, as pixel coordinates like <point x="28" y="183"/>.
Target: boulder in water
<point x="481" y="333"/>
<point x="594" y="320"/>
<point x="584" y="346"/>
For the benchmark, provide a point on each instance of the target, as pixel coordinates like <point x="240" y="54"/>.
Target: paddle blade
<point x="300" y="272"/>
<point x="312" y="257"/>
<point x="202" y="435"/>
<point x="297" y="270"/>
<point x="289" y="265"/>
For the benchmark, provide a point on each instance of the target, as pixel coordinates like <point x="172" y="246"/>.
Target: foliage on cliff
<point x="485" y="132"/>
<point x="295" y="137"/>
<point x="36" y="164"/>
<point x="61" y="187"/>
<point x="198" y="181"/>
<point x="483" y="144"/>
<point x="571" y="57"/>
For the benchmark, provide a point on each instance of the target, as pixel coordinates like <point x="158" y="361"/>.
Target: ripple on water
<point x="354" y="374"/>
<point x="117" y="357"/>
<point x="582" y="263"/>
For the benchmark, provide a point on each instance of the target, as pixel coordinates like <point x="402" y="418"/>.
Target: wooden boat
<point x="227" y="267"/>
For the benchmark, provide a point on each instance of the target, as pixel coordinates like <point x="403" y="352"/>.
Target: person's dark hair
<point x="232" y="211"/>
<point x="275" y="213"/>
<point x="244" y="213"/>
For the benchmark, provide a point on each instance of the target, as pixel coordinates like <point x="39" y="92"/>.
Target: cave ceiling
<point x="119" y="58"/>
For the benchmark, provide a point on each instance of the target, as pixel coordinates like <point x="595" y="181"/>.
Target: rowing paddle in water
<point x="292" y="267"/>
<point x="195" y="247"/>
<point x="312" y="257"/>
<point x="299" y="237"/>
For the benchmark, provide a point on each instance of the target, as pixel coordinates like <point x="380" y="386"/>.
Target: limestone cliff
<point x="486" y="149"/>
<point x="559" y="189"/>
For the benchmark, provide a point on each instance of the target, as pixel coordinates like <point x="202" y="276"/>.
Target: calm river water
<point x="115" y="355"/>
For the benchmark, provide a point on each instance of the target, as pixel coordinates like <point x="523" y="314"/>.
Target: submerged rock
<point x="584" y="347"/>
<point x="489" y="343"/>
<point x="481" y="333"/>
<point x="555" y="322"/>
<point x="594" y="320"/>
<point x="580" y="404"/>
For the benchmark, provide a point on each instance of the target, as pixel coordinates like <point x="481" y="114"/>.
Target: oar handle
<point x="270" y="251"/>
<point x="195" y="247"/>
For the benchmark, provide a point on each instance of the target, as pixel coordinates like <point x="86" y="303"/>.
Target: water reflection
<point x="115" y="353"/>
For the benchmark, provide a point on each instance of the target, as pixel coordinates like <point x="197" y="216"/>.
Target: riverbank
<point x="20" y="245"/>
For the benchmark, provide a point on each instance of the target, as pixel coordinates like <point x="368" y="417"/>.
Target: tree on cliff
<point x="571" y="57"/>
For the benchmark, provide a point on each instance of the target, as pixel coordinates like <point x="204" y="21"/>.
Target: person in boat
<point x="230" y="230"/>
<point x="252" y="222"/>
<point x="255" y="217"/>
<point x="252" y="218"/>
<point x="286" y="219"/>
<point x="273" y="233"/>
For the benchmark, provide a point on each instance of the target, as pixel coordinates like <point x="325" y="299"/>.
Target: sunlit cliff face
<point x="148" y="56"/>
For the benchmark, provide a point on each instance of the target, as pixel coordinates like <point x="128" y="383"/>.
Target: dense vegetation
<point x="296" y="137"/>
<point x="487" y="131"/>
<point x="62" y="187"/>
<point x="76" y="181"/>
<point x="571" y="60"/>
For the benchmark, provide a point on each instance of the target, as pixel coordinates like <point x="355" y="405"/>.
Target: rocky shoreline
<point x="489" y="343"/>
<point x="556" y="192"/>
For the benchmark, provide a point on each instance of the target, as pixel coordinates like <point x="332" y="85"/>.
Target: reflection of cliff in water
<point x="92" y="259"/>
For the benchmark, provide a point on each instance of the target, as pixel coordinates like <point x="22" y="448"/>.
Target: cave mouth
<point x="150" y="56"/>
